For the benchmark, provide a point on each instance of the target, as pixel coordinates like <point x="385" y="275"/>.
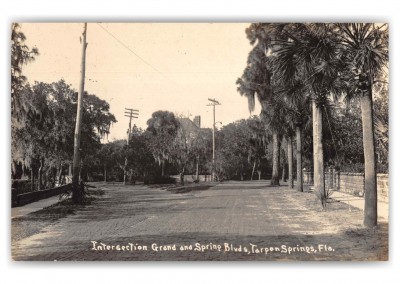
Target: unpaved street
<point x="230" y="221"/>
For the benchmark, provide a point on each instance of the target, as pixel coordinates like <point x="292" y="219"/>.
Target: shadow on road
<point x="257" y="217"/>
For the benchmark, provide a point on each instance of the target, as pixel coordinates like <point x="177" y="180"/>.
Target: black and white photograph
<point x="208" y="141"/>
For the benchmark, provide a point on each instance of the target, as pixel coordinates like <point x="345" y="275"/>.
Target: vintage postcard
<point x="199" y="141"/>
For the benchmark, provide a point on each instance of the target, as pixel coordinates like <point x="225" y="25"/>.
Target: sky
<point x="148" y="66"/>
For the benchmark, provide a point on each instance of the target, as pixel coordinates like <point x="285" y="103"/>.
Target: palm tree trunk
<point x="319" y="175"/>
<point x="299" y="174"/>
<point x="370" y="189"/>
<point x="80" y="169"/>
<point x="290" y="161"/>
<point x="275" y="159"/>
<point x="283" y="171"/>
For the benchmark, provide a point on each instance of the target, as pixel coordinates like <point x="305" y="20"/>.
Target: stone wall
<point x="26" y="198"/>
<point x="351" y="183"/>
<point x="383" y="187"/>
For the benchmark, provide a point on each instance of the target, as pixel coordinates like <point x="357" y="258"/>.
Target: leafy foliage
<point x="45" y="140"/>
<point x="240" y="146"/>
<point x="21" y="55"/>
<point x="162" y="129"/>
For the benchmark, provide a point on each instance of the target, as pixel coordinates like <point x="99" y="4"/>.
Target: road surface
<point x="228" y="221"/>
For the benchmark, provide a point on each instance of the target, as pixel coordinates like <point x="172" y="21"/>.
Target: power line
<point x="134" y="53"/>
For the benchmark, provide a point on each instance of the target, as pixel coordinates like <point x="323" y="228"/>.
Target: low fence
<point x="192" y="178"/>
<point x="352" y="183"/>
<point x="26" y="198"/>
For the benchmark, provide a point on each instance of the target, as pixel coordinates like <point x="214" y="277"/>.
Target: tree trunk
<point x="331" y="177"/>
<point x="299" y="174"/>
<point x="197" y="168"/>
<point x="59" y="179"/>
<point x="254" y="167"/>
<point x="105" y="173"/>
<point x="40" y="178"/>
<point x="80" y="169"/>
<point x="275" y="159"/>
<point x="259" y="174"/>
<point x="370" y="189"/>
<point x="290" y="161"/>
<point x="162" y="167"/>
<point x="125" y="169"/>
<point x="182" y="176"/>
<point x="32" y="178"/>
<point x="283" y="172"/>
<point x="52" y="177"/>
<point x="319" y="175"/>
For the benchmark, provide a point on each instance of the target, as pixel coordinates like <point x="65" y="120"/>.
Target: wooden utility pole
<point x="213" y="103"/>
<point x="131" y="113"/>
<point x="77" y="191"/>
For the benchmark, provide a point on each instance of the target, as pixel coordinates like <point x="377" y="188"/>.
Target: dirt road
<point x="229" y="221"/>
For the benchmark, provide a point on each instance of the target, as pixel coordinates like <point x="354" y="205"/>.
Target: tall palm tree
<point x="298" y="118"/>
<point x="287" y="87"/>
<point x="256" y="82"/>
<point x="366" y="49"/>
<point x="311" y="53"/>
<point x="274" y="115"/>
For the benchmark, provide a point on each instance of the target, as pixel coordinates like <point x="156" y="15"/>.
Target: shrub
<point x="21" y="186"/>
<point x="159" y="180"/>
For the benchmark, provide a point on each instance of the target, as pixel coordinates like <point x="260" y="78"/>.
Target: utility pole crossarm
<point x="214" y="102"/>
